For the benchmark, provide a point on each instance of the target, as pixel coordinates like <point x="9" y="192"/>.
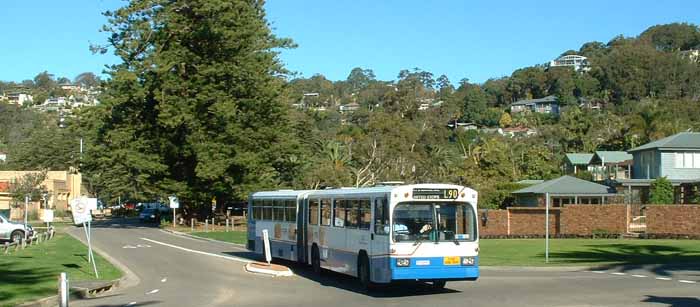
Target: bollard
<point x="7" y="247"/>
<point x="226" y="224"/>
<point x="192" y="225"/>
<point x="63" y="290"/>
<point x="16" y="245"/>
<point x="206" y="225"/>
<point x="23" y="242"/>
<point x="233" y="223"/>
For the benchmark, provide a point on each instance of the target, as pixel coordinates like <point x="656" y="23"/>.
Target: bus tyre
<point x="16" y="236"/>
<point x="439" y="284"/>
<point x="363" y="272"/>
<point x="315" y="260"/>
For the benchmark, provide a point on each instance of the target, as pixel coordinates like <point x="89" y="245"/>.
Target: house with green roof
<point x="563" y="191"/>
<point x="676" y="157"/>
<point x="611" y="165"/>
<point x="575" y="162"/>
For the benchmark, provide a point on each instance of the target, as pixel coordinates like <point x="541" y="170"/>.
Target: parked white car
<point x="13" y="231"/>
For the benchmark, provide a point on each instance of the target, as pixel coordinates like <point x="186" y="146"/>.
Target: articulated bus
<point x="424" y="232"/>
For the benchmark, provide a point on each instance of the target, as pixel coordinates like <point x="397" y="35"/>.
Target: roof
<point x="548" y="99"/>
<point x="683" y="140"/>
<point x="530" y="181"/>
<point x="647" y="182"/>
<point x="567" y="185"/>
<point x="579" y="158"/>
<point x="613" y="156"/>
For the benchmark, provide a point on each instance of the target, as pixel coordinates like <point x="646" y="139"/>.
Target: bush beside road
<point x="32" y="273"/>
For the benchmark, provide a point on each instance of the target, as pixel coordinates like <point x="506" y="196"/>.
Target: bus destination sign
<point x="435" y="193"/>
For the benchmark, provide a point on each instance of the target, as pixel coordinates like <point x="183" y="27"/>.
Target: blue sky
<point x="462" y="39"/>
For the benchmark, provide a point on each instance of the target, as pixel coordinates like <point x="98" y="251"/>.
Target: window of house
<point x="326" y="212"/>
<point x="688" y="160"/>
<point x="696" y="158"/>
<point x="313" y="212"/>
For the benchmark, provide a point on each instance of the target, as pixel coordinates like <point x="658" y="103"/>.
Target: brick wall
<point x="678" y="219"/>
<point x="495" y="225"/>
<point x="584" y="219"/>
<point x="530" y="221"/>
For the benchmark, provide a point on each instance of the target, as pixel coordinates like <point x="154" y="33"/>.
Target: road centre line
<point x="664" y="278"/>
<point x="687" y="281"/>
<point x="198" y="252"/>
<point x="640" y="276"/>
<point x="619" y="273"/>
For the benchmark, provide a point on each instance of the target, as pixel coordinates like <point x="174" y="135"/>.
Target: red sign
<point x="4" y="186"/>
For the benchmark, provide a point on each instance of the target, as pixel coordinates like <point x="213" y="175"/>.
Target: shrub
<point x="661" y="191"/>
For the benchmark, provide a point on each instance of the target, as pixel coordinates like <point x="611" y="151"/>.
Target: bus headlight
<point x="468" y="260"/>
<point x="403" y="262"/>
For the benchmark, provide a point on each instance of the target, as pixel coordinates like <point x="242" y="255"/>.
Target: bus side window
<point x="326" y="212"/>
<point x="313" y="212"/>
<point x="257" y="209"/>
<point x="267" y="209"/>
<point x="381" y="216"/>
<point x="291" y="210"/>
<point x="365" y="214"/>
<point x="339" y="213"/>
<point x="351" y="217"/>
<point x="278" y="210"/>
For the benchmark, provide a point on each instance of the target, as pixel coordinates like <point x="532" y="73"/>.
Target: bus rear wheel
<point x="315" y="260"/>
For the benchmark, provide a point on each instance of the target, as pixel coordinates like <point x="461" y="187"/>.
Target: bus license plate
<point x="450" y="261"/>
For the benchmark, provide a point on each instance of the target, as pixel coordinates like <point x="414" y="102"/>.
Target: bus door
<point x="302" y="240"/>
<point x="379" y="241"/>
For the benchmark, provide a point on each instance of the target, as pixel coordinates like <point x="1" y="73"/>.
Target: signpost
<point x="174" y="204"/>
<point x="266" y="246"/>
<point x="80" y="207"/>
<point x="546" y="231"/>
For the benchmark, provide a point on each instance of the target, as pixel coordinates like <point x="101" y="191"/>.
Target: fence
<point x="33" y="240"/>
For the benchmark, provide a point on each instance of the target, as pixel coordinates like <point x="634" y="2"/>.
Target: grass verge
<point x="32" y="273"/>
<point x="238" y="237"/>
<point x="575" y="252"/>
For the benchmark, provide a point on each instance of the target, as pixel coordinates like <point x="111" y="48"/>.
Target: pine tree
<point x="193" y="108"/>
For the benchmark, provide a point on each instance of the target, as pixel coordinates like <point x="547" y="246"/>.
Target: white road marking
<point x="640" y="276"/>
<point x="199" y="252"/>
<point x="598" y="272"/>
<point x="143" y="245"/>
<point x="130" y="304"/>
<point x="619" y="273"/>
<point x="129" y="246"/>
<point x="687" y="281"/>
<point x="663" y="278"/>
<point x="154" y="291"/>
<point x="164" y="279"/>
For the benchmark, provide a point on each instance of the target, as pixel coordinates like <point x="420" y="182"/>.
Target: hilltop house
<point x="546" y="105"/>
<point x="576" y="162"/>
<point x="676" y="157"/>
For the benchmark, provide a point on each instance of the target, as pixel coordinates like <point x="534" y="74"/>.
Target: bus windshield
<point x="434" y="221"/>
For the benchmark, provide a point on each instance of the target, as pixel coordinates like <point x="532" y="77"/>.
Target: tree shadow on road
<point x="663" y="260"/>
<point x="673" y="301"/>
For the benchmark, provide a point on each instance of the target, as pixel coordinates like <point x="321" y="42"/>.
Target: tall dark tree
<point x="193" y="107"/>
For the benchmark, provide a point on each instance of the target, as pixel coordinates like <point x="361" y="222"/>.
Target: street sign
<point x="80" y="210"/>
<point x="48" y="216"/>
<point x="92" y="203"/>
<point x="174" y="202"/>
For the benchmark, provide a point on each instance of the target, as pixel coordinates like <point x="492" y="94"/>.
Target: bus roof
<point x="349" y="191"/>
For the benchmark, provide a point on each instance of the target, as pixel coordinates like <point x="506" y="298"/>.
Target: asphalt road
<point x="181" y="271"/>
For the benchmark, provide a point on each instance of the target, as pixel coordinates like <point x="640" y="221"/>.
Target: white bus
<point x="425" y="232"/>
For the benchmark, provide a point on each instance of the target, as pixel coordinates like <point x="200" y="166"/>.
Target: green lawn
<point x="572" y="252"/>
<point x="33" y="273"/>
<point x="238" y="237"/>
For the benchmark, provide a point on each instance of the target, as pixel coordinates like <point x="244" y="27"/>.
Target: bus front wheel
<point x="439" y="284"/>
<point x="363" y="271"/>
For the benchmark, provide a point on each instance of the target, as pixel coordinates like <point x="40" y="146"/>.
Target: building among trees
<point x="578" y="62"/>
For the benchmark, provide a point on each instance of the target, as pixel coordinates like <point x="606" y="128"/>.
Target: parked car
<point x="150" y="215"/>
<point x="14" y="231"/>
